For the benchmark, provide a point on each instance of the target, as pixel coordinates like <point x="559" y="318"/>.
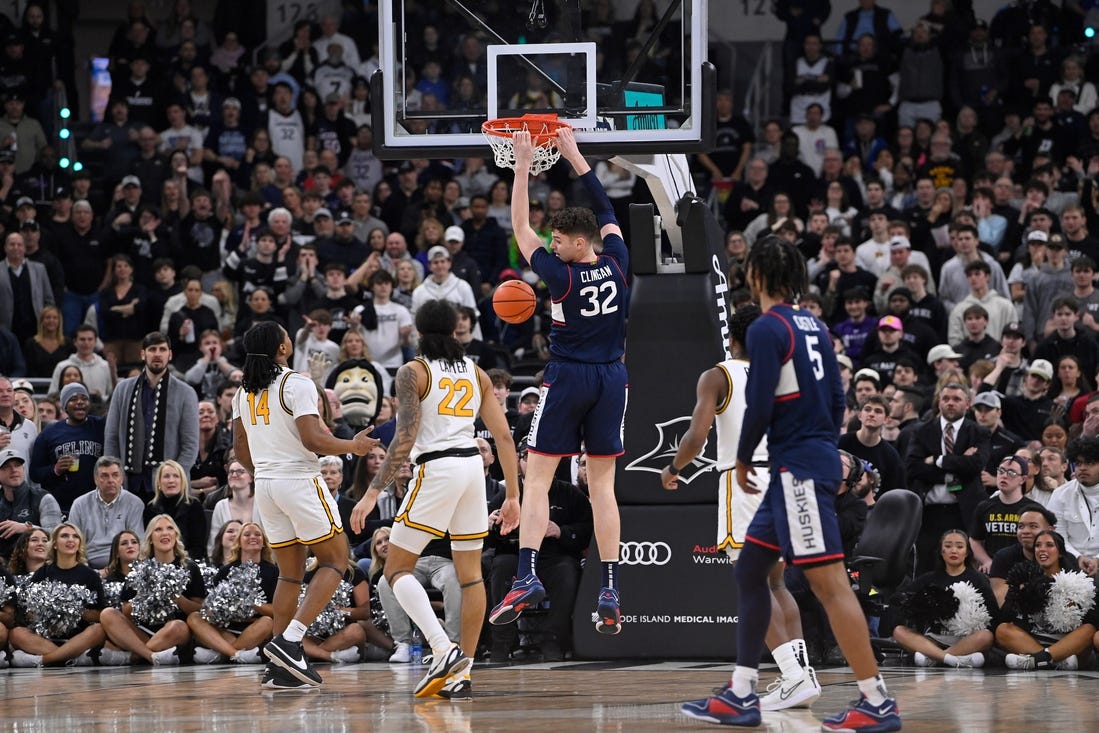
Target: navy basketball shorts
<point x="798" y="519"/>
<point x="580" y="404"/>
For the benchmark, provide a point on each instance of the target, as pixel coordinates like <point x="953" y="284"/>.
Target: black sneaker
<point x="459" y="689"/>
<point x="277" y="678"/>
<point x="290" y="656"/>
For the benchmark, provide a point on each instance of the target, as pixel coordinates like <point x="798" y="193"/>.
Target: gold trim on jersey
<point x="403" y="516"/>
<point x="728" y="389"/>
<point x="282" y="400"/>
<point x="477" y="536"/>
<point x="729" y="540"/>
<point x="427" y="386"/>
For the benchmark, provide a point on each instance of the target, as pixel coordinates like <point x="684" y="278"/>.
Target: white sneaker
<point x="347" y="656"/>
<point x="784" y="693"/>
<point x="248" y="656"/>
<point x="20" y="658"/>
<point x="1019" y="661"/>
<point x="84" y="660"/>
<point x="402" y="654"/>
<point x="167" y="657"/>
<point x="965" y="661"/>
<point x="1069" y="664"/>
<point x="114" y="657"/>
<point x="451" y="662"/>
<point x="922" y="660"/>
<point x="204" y="655"/>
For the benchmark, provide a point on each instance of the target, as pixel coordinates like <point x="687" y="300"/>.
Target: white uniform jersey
<point x="449" y="407"/>
<point x="273" y="438"/>
<point x="287" y="134"/>
<point x="730" y="416"/>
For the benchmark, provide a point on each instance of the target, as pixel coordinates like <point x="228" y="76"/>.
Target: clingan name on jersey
<point x="806" y="323"/>
<point x="596" y="274"/>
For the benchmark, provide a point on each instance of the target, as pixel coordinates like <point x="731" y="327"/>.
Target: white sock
<point x="874" y="689"/>
<point x="744" y="681"/>
<point x="789" y="663"/>
<point x="413" y="599"/>
<point x="295" y="631"/>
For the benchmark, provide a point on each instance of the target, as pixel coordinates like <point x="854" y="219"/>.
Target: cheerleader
<point x="29" y="554"/>
<point x="1052" y="609"/>
<point x="154" y="640"/>
<point x="238" y="641"/>
<point x="343" y="645"/>
<point x="961" y="636"/>
<point x="66" y="565"/>
<point x="125" y="550"/>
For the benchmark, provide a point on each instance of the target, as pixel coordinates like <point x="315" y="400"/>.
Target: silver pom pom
<point x="235" y="598"/>
<point x="332" y="619"/>
<point x="1071" y="596"/>
<point x="112" y="594"/>
<point x="7" y="592"/>
<point x="54" y="609"/>
<point x="972" y="615"/>
<point x="157" y="585"/>
<point x="209" y="572"/>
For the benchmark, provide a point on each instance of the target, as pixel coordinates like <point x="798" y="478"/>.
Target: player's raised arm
<point x="601" y="203"/>
<point x="528" y="240"/>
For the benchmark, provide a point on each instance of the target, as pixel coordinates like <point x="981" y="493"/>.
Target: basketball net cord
<point x="543" y="131"/>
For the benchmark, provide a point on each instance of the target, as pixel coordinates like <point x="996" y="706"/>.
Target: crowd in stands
<point x="940" y="181"/>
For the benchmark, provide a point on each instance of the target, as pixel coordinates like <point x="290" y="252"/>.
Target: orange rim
<point x="543" y="128"/>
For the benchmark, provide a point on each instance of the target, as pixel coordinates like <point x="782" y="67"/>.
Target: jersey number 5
<point x="812" y="344"/>
<point x="458" y="394"/>
<point x="600" y="299"/>
<point x="257" y="405"/>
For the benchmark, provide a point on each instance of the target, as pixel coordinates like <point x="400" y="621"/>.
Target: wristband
<point x="672" y="469"/>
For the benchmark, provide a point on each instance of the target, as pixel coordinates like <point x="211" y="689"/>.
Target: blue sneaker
<point x="862" y="717"/>
<point x="525" y="593"/>
<point x="608" y="614"/>
<point x="725" y="708"/>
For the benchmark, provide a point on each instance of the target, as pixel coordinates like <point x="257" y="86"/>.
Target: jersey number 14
<point x="257" y="406"/>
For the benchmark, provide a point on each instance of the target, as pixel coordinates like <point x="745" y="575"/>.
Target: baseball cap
<point x="1056" y="242"/>
<point x="867" y="373"/>
<point x="1037" y="236"/>
<point x="942" y="351"/>
<point x="988" y="399"/>
<point x="62" y="192"/>
<point x="322" y="212"/>
<point x="845" y="360"/>
<point x="344" y="217"/>
<point x="530" y="392"/>
<point x="461" y="203"/>
<point x="406" y="167"/>
<point x="1013" y="329"/>
<point x="131" y="181"/>
<point x="332" y="98"/>
<point x="29" y="225"/>
<point x="1020" y="461"/>
<point x="436" y="252"/>
<point x="900" y="242"/>
<point x="891" y="322"/>
<point x="510" y="274"/>
<point x="22" y="384"/>
<point x="11" y="454"/>
<point x="24" y="201"/>
<point x="231" y="102"/>
<point x="454" y="234"/>
<point x="1041" y="368"/>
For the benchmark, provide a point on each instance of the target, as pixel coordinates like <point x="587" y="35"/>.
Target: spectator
<point x="285" y="126"/>
<point x="1068" y="338"/>
<point x="888" y="349"/>
<point x="152" y="418"/>
<point x="996" y="519"/>
<point x="1053" y="280"/>
<point x="841" y="279"/>
<point x="1055" y="472"/>
<point x="105" y="511"/>
<point x="96" y="374"/>
<point x="858" y="326"/>
<point x="1071" y="505"/>
<point x="394" y="328"/>
<point x="1025" y="414"/>
<point x="329" y="35"/>
<point x="226" y="142"/>
<point x="443" y="284"/>
<point x="953" y="278"/>
<point x="866" y="443"/>
<point x="814" y="75"/>
<point x="926" y="306"/>
<point x="987" y="411"/>
<point x="24" y="289"/>
<point x="1030" y="523"/>
<point x="1000" y="311"/>
<point x="977" y="344"/>
<point x="23" y="506"/>
<point x="172" y="497"/>
<point x="184" y="327"/>
<point x="747" y="199"/>
<point x="236" y="504"/>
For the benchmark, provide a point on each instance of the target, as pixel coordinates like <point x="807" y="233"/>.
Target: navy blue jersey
<point x="589" y="303"/>
<point x="794" y="394"/>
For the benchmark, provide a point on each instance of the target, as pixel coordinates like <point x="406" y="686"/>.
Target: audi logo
<point x="644" y="553"/>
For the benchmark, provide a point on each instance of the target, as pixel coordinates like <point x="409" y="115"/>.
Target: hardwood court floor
<point x="577" y="697"/>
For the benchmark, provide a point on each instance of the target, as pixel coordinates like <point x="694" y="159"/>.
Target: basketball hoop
<point x="543" y="133"/>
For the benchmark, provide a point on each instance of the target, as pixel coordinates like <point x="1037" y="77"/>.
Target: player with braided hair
<point x="795" y="398"/>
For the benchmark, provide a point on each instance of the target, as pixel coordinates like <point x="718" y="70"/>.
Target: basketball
<point x="514" y="301"/>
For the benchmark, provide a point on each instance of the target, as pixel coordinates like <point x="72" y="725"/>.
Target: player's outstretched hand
<point x="670" y="482"/>
<point x="566" y="143"/>
<point x="745" y="476"/>
<point x="363" y="443"/>
<point x="524" y="149"/>
<point x="509" y="515"/>
<point x="362" y="510"/>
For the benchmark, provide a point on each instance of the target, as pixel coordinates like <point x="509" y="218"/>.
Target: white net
<point x="503" y="149"/>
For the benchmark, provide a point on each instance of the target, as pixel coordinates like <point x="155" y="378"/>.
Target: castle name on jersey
<point x="596" y="274"/>
<point x="806" y="323"/>
<point x="455" y="367"/>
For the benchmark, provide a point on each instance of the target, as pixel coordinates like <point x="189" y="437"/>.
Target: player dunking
<point x="720" y="398"/>
<point x="583" y="396"/>
<point x="794" y="396"/>
<point x="277" y="435"/>
<point x="440" y="396"/>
